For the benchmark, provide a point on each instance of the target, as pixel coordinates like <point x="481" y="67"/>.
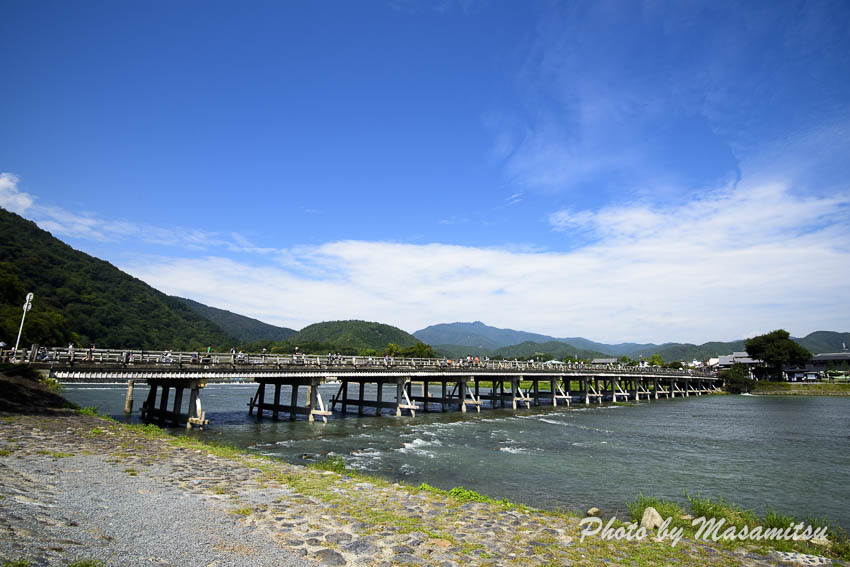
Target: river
<point x="791" y="454"/>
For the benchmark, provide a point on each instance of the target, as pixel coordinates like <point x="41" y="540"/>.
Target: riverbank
<point x="76" y="487"/>
<point x="765" y="388"/>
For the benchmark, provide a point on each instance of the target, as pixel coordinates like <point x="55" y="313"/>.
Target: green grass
<point x="55" y="454"/>
<point x="801" y="389"/>
<point x="335" y="464"/>
<point x="223" y="450"/>
<point x="738" y="517"/>
<point x="17" y="563"/>
<point x="245" y="511"/>
<point x="92" y="412"/>
<point x="131" y="471"/>
<point x="666" y="508"/>
<point x="87" y="563"/>
<point x="462" y="494"/>
<point x="5" y="452"/>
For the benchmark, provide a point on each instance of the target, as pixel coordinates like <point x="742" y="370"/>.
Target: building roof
<point x="831" y="357"/>
<point x="736" y="358"/>
<point x="604" y="361"/>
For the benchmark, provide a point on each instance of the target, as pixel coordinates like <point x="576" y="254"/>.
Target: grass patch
<point x="87" y="563"/>
<point x="148" y="431"/>
<point x="667" y="509"/>
<point x="96" y="431"/>
<point x="462" y="494"/>
<point x="17" y="563"/>
<point x="801" y="389"/>
<point x="734" y="516"/>
<point x="131" y="471"/>
<point x="93" y="412"/>
<point x="5" y="452"/>
<point x="55" y="454"/>
<point x="224" y="450"/>
<point x="245" y="511"/>
<point x="334" y="464"/>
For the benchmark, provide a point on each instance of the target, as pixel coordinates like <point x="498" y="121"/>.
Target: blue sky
<point x="650" y="171"/>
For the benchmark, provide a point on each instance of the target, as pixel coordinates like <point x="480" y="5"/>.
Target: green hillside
<point x="357" y="335"/>
<point x="245" y="329"/>
<point x="459" y="351"/>
<point x="81" y="298"/>
<point x="687" y="352"/>
<point x="546" y="351"/>
<point x="824" y="341"/>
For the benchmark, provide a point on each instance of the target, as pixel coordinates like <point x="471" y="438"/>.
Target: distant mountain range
<point x="479" y="335"/>
<point x="477" y="338"/>
<point x="243" y="329"/>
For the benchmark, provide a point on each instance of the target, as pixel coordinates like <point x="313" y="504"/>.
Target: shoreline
<point x="801" y="389"/>
<point x="295" y="515"/>
<point x="76" y="487"/>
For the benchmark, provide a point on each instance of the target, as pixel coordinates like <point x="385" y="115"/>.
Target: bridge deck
<point x="462" y="384"/>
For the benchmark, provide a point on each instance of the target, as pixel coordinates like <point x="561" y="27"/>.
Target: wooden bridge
<point x="414" y="384"/>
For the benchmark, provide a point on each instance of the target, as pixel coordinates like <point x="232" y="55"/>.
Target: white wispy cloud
<point x="740" y="259"/>
<point x="715" y="268"/>
<point x="64" y="223"/>
<point x="10" y="197"/>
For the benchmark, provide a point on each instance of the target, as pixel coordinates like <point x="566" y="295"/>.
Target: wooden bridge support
<point x="128" y="399"/>
<point x="314" y="405"/>
<point x="151" y="412"/>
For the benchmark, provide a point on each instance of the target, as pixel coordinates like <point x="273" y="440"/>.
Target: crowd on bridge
<point x="208" y="358"/>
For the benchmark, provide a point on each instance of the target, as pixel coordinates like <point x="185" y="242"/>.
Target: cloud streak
<point x="727" y="263"/>
<point x="718" y="267"/>
<point x="65" y="223"/>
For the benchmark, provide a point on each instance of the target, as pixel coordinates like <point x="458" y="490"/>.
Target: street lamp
<point x="27" y="307"/>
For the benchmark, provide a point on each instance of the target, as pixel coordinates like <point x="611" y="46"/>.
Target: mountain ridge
<point x="240" y="327"/>
<point x="479" y="335"/>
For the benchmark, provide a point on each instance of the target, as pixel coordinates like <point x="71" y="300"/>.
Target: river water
<point x="791" y="454"/>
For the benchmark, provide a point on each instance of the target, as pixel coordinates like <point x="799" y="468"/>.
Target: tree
<point x="776" y="349"/>
<point x="419" y="350"/>
<point x="656" y="360"/>
<point x="737" y="379"/>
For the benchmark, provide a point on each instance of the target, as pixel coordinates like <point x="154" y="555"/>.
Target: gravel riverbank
<point x="76" y="487"/>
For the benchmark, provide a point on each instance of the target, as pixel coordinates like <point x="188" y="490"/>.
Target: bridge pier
<point x="594" y="384"/>
<point x="194" y="414"/>
<point x="128" y="399"/>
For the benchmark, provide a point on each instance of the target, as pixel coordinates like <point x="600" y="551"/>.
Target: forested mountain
<point x="825" y="341"/>
<point x="479" y="335"/>
<point x="528" y="349"/>
<point x="244" y="329"/>
<point x="687" y="352"/>
<point x="358" y="335"/>
<point x="547" y="351"/>
<point x="476" y="334"/>
<point x="81" y="298"/>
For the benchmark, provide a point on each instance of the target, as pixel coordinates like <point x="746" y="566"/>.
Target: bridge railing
<point x="167" y="358"/>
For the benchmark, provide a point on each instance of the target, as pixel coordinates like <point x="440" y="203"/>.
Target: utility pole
<point x="27" y="307"/>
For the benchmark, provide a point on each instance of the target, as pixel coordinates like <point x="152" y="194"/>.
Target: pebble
<point x="183" y="506"/>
